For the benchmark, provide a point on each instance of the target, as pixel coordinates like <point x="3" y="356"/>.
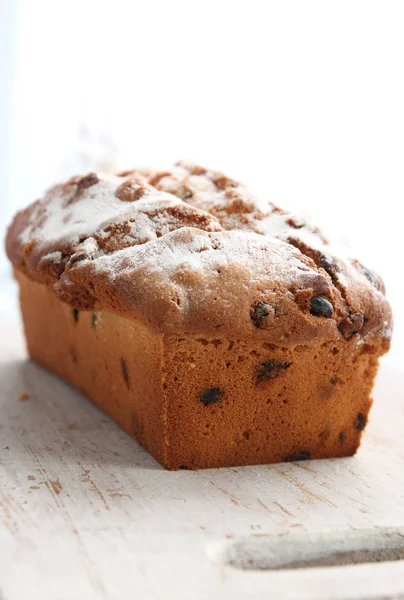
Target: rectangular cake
<point x="212" y="326"/>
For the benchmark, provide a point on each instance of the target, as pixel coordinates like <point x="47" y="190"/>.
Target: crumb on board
<point x="23" y="396"/>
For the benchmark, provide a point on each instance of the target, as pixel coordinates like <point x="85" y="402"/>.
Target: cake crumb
<point x="23" y="396"/>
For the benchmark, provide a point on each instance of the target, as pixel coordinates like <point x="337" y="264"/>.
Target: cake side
<point x="196" y="402"/>
<point x="115" y="362"/>
<point x="233" y="402"/>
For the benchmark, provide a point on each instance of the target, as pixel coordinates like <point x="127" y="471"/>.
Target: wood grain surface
<point x="86" y="513"/>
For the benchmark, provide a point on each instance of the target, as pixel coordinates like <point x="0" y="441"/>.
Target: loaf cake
<point x="214" y="327"/>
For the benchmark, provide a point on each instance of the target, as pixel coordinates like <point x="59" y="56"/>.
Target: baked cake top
<point x="191" y="250"/>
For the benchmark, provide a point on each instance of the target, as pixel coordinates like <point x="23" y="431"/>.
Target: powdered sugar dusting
<point x="179" y="248"/>
<point x="53" y="256"/>
<point x="95" y="210"/>
<point x="194" y="250"/>
<point x="227" y="199"/>
<point x="193" y="280"/>
<point x="238" y="210"/>
<point x="91" y="216"/>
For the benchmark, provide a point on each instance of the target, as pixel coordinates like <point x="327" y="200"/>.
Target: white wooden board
<point x="86" y="513"/>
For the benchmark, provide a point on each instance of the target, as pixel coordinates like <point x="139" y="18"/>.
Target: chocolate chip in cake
<point x="125" y="372"/>
<point x="333" y="380"/>
<point x="212" y="396"/>
<point x="360" y="422"/>
<point x="321" y="307"/>
<point x="79" y="185"/>
<point x="372" y="277"/>
<point x="77" y="258"/>
<point x="341" y="437"/>
<point x="352" y="324"/>
<point x="87" y="181"/>
<point x="271" y="369"/>
<point x="301" y="455"/>
<point x="76" y="314"/>
<point x="259" y="314"/>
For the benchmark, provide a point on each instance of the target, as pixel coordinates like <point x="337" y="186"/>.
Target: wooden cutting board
<point x="86" y="513"/>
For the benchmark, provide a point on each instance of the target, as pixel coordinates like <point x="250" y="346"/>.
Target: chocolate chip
<point x="333" y="380"/>
<point x="301" y="455"/>
<point x="76" y="185"/>
<point x="76" y="314"/>
<point x="360" y="422"/>
<point x="329" y="264"/>
<point x="87" y="181"/>
<point x="372" y="277"/>
<point x="259" y="313"/>
<point x="321" y="307"/>
<point x="341" y="437"/>
<point x="125" y="372"/>
<point x="77" y="258"/>
<point x="86" y="250"/>
<point x="183" y="468"/>
<point x="271" y="369"/>
<point x="212" y="396"/>
<point x="352" y="324"/>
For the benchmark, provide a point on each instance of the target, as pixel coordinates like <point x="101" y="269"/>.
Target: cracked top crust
<point x="191" y="250"/>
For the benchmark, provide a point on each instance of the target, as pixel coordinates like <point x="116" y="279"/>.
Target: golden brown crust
<point x="192" y="250"/>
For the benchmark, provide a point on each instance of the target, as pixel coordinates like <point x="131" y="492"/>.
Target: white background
<point x="303" y="100"/>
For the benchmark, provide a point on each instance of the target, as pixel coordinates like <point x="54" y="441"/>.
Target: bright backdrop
<point x="304" y="100"/>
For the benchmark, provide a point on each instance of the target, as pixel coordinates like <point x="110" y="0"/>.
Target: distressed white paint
<point x="85" y="513"/>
